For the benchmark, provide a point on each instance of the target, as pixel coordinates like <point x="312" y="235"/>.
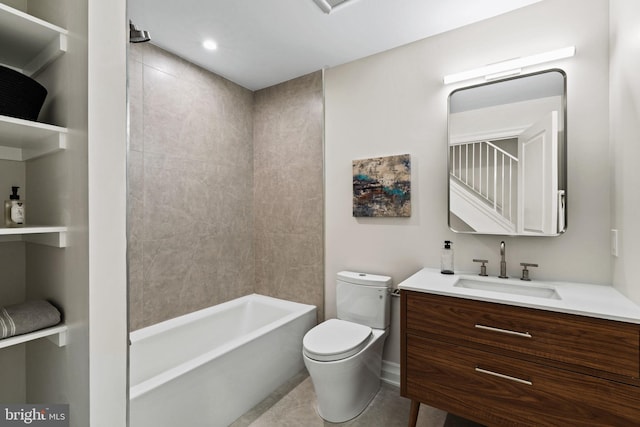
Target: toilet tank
<point x="364" y="298"/>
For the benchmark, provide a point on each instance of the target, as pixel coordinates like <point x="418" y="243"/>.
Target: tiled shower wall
<point x="190" y="187"/>
<point x="192" y="239"/>
<point x="288" y="191"/>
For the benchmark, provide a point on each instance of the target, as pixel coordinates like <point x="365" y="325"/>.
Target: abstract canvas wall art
<point x="382" y="186"/>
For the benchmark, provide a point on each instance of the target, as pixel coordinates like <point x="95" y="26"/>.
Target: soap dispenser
<point x="14" y="209"/>
<point x="446" y="258"/>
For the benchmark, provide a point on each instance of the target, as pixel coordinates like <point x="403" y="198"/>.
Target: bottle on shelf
<point x="14" y="210"/>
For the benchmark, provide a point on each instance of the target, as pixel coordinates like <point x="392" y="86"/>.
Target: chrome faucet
<point x="503" y="263"/>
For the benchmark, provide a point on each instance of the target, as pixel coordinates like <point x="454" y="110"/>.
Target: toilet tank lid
<point x="364" y="278"/>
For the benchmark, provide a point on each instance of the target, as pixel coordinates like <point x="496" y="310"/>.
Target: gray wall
<point x="288" y="191"/>
<point x="194" y="157"/>
<point x="190" y="191"/>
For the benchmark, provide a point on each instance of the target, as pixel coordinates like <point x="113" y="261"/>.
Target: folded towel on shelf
<point x="27" y="317"/>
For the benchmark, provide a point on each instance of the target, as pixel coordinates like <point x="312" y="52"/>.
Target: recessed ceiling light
<point x="210" y="45"/>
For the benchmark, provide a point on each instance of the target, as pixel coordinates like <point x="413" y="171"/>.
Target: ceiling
<point x="265" y="42"/>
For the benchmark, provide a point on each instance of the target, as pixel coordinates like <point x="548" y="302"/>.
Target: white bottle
<point x="446" y="258"/>
<point x="14" y="210"/>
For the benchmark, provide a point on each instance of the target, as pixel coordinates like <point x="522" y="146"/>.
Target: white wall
<point x="625" y="145"/>
<point x="395" y="103"/>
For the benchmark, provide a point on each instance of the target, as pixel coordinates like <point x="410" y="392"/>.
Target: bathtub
<point x="209" y="367"/>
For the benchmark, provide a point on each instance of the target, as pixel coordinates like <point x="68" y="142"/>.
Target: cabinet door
<point x="500" y="390"/>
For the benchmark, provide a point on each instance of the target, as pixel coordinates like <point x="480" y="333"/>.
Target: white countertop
<point x="599" y="301"/>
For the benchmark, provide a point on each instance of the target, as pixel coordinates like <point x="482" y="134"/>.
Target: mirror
<point x="507" y="156"/>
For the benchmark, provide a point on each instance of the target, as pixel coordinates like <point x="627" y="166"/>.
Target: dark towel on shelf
<point x="27" y="317"/>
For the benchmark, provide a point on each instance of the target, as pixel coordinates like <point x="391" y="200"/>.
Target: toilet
<point x="344" y="355"/>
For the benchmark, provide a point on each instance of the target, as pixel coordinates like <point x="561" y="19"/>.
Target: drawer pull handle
<point x="504" y="331"/>
<point x="506" y="377"/>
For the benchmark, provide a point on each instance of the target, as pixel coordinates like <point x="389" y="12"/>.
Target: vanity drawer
<point x="591" y="343"/>
<point x="501" y="390"/>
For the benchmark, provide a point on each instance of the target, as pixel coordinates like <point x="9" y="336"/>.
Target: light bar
<point x="511" y="66"/>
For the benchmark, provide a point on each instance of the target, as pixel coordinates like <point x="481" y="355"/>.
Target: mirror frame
<point x="562" y="155"/>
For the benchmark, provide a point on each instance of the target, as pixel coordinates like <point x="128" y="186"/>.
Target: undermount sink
<point x="509" y="287"/>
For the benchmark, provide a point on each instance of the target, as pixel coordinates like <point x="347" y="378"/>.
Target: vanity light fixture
<point x="511" y="66"/>
<point x="209" y="44"/>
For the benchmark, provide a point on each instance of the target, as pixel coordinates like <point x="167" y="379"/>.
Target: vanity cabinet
<point x="500" y="364"/>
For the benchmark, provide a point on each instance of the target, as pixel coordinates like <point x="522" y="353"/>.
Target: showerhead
<point x="136" y="35"/>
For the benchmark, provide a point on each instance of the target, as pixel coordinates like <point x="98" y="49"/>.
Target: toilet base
<point x="340" y="415"/>
<point x="344" y="388"/>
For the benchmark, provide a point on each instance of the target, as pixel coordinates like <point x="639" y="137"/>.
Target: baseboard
<point x="390" y="373"/>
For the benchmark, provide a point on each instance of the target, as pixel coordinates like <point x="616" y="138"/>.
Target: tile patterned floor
<point x="294" y="405"/>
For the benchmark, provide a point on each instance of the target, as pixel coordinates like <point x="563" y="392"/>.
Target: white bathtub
<point x="209" y="367"/>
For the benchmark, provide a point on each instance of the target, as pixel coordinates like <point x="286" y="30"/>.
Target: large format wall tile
<point x="216" y="209"/>
<point x="190" y="188"/>
<point x="288" y="191"/>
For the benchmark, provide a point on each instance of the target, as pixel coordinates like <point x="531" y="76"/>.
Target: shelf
<point x="48" y="236"/>
<point x="29" y="43"/>
<point x="25" y="140"/>
<point x="56" y="334"/>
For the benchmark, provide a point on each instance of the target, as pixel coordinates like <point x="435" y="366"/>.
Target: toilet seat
<point x="335" y="339"/>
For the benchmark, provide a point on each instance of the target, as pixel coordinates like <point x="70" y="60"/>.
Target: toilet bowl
<point x="344" y="357"/>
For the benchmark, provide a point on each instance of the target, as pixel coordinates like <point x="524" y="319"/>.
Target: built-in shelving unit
<point x="56" y="334"/>
<point x="29" y="43"/>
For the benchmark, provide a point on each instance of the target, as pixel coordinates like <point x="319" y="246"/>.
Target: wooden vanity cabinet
<point x="499" y="364"/>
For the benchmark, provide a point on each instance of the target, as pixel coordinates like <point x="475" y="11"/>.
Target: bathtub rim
<point x="157" y="328"/>
<point x="172" y="373"/>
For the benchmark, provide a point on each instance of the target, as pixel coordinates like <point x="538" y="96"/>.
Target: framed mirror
<point x="507" y="156"/>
